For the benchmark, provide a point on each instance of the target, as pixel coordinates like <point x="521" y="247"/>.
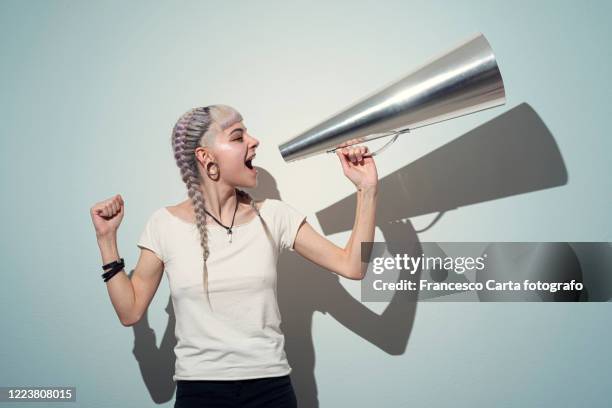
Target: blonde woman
<point x="219" y="250"/>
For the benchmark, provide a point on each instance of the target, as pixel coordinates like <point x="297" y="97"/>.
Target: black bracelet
<point x="116" y="268"/>
<point x="106" y="276"/>
<point x="113" y="273"/>
<point x="110" y="273"/>
<point x="114" y="263"/>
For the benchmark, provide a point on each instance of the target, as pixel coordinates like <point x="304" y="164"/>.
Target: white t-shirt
<point x="241" y="338"/>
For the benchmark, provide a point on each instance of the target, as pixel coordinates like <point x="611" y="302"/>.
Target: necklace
<point x="229" y="229"/>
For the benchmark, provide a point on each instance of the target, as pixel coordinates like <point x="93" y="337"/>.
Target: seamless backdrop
<point x="91" y="90"/>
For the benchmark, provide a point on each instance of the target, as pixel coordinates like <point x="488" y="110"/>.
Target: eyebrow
<point x="238" y="129"/>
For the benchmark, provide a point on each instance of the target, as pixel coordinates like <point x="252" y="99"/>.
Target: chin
<point x="252" y="184"/>
<point x="248" y="183"/>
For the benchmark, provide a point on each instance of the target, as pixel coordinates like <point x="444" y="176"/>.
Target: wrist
<point x="107" y="239"/>
<point x="368" y="190"/>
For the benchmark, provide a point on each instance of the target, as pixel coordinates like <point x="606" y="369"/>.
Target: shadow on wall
<point x="511" y="154"/>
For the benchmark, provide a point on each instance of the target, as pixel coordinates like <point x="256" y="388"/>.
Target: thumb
<point x="343" y="159"/>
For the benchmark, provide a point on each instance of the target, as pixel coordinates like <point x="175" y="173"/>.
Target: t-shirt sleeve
<point x="150" y="238"/>
<point x="290" y="220"/>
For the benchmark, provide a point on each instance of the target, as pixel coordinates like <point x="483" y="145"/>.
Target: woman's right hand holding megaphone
<point x="358" y="165"/>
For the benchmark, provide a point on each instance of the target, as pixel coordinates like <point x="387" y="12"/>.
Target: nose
<point x="254" y="142"/>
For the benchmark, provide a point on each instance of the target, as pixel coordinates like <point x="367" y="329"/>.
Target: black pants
<point x="270" y="392"/>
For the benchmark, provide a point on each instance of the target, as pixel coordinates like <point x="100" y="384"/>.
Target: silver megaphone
<point x="461" y="81"/>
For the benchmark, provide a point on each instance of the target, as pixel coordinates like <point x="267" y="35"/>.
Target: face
<point x="233" y="151"/>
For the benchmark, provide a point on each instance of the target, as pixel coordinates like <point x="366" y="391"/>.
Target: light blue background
<point x="91" y="90"/>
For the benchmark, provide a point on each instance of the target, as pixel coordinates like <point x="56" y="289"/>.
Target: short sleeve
<point x="150" y="238"/>
<point x="290" y="220"/>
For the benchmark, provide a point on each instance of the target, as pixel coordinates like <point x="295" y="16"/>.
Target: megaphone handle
<point x="393" y="139"/>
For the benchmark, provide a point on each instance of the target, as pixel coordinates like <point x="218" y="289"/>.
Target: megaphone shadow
<point x="511" y="154"/>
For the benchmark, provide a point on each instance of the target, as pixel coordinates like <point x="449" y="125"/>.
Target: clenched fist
<point x="358" y="164"/>
<point x="107" y="215"/>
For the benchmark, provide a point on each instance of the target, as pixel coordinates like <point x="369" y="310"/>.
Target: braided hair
<point x="198" y="127"/>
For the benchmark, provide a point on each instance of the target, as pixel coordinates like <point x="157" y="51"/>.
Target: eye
<point x="238" y="138"/>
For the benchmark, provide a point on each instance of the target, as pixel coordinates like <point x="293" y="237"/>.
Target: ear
<point x="204" y="155"/>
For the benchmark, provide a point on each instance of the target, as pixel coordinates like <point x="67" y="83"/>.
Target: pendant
<point x="229" y="232"/>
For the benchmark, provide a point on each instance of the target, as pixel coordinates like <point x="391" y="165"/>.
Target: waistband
<point x="249" y="380"/>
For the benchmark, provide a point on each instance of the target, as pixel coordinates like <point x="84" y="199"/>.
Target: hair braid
<point x="188" y="132"/>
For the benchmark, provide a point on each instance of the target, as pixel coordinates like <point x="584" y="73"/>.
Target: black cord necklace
<point x="229" y="229"/>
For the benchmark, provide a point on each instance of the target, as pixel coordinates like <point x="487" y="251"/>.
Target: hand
<point x="357" y="168"/>
<point x="107" y="215"/>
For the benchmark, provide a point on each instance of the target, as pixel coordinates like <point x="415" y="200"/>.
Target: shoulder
<point x="160" y="212"/>
<point x="282" y="209"/>
<point x="268" y="202"/>
<point x="157" y="215"/>
<point x="274" y="204"/>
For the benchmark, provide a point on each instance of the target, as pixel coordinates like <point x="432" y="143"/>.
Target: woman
<point x="230" y="349"/>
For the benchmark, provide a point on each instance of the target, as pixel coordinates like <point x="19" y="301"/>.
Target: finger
<point x="343" y="161"/>
<point x="115" y="207"/>
<point x="347" y="143"/>
<point x="359" y="153"/>
<point x="101" y="210"/>
<point x="352" y="156"/>
<point x="341" y="156"/>
<point x="347" y="155"/>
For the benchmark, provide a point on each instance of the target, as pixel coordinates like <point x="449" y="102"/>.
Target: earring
<point x="214" y="175"/>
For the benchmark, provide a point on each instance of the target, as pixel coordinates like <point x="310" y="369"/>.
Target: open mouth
<point x="249" y="162"/>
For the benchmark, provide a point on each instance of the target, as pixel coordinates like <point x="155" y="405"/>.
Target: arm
<point x="130" y="297"/>
<point x="346" y="262"/>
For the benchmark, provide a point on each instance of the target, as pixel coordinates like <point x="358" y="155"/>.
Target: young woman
<point x="230" y="349"/>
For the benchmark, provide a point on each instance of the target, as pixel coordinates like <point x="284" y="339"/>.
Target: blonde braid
<point x="186" y="137"/>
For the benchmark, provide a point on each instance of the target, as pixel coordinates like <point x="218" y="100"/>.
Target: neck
<point x="220" y="200"/>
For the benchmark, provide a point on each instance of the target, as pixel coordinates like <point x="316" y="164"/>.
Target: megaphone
<point x="461" y="81"/>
